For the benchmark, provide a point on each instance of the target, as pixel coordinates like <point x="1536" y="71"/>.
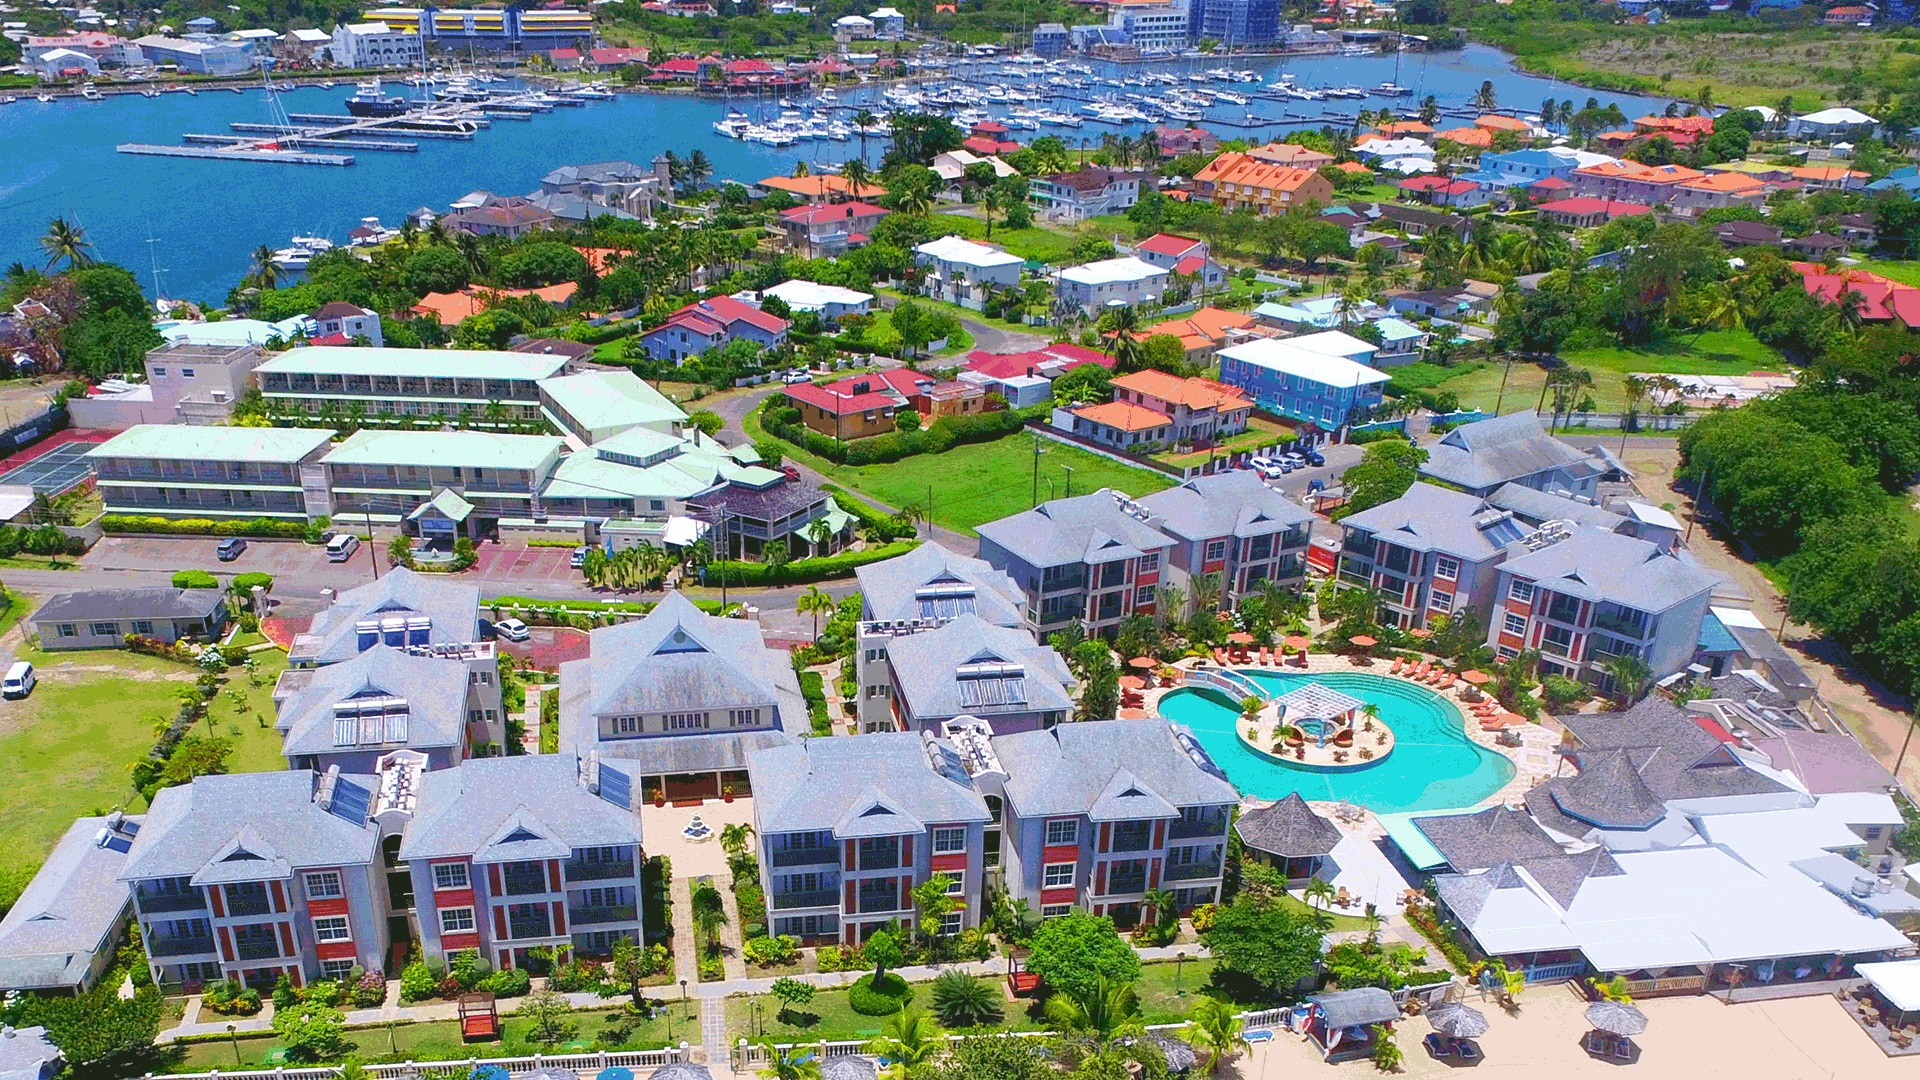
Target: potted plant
<point x="659" y="798"/>
<point x="726" y="793"/>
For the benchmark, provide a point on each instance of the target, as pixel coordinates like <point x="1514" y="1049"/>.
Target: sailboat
<point x="1393" y="89"/>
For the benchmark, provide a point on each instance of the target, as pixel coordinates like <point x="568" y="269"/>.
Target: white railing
<point x="1232" y="683"/>
<point x="462" y="1068"/>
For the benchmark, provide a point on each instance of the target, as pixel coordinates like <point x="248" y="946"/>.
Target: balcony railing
<point x="247" y="905"/>
<point x="805" y="856"/>
<point x="1353" y="578"/>
<point x="537" y="926"/>
<point x="1188" y="828"/>
<point x="879" y="905"/>
<point x="525" y="884"/>
<point x="1189" y="871"/>
<point x="180" y="946"/>
<point x="880" y="860"/>
<point x="598" y="871"/>
<point x="588" y="916"/>
<point x="1067" y="583"/>
<point x="186" y="901"/>
<point x="1617" y="624"/>
<point x="256" y="949"/>
<point x="818" y="898"/>
<point x="1133" y="841"/>
<point x="1125" y="884"/>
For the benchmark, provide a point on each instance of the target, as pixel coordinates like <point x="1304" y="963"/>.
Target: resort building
<point x="505" y="29"/>
<point x="419" y="615"/>
<point x="224" y="473"/>
<point x="1431" y="552"/>
<point x="1087" y="192"/>
<point x="961" y="271"/>
<point x="1289" y="837"/>
<point x="820" y="188"/>
<point x="105" y="618"/>
<point x="916" y="593"/>
<point x="439" y="484"/>
<point x="679" y="700"/>
<point x="1233" y="525"/>
<point x="598" y="405"/>
<point x="1236" y="181"/>
<point x="1203" y="332"/>
<point x="1323" y="391"/>
<point x="827" y="230"/>
<point x="1292" y="155"/>
<point x="523" y="854"/>
<point x="1202" y="411"/>
<point x="1096" y="286"/>
<point x="711" y="324"/>
<point x="1185" y="258"/>
<point x="375" y="45"/>
<point x="1512" y="449"/>
<point x="1631" y="181"/>
<point x="63" y="931"/>
<point x="1117" y="424"/>
<point x="353" y="713"/>
<point x="1092" y="558"/>
<point x="969" y="667"/>
<point x="195" y="57"/>
<point x="439" y="384"/>
<point x="346" y="322"/>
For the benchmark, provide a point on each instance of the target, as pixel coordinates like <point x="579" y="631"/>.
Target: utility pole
<point x="1069" y="493"/>
<point x="1036" y="470"/>
<point x="366" y="509"/>
<point x="929" y="511"/>
<point x="1904" y="743"/>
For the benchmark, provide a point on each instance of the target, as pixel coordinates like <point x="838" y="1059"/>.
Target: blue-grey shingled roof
<point x="453" y="607"/>
<point x="1608" y="567"/>
<point x="940" y="675"/>
<point x="932" y="581"/>
<point x="434" y="690"/>
<point x="1070" y="768"/>
<point x="1488" y="453"/>
<point x="49" y="937"/>
<point x="1534" y="507"/>
<point x="883" y="784"/>
<point x="1430" y="518"/>
<point x="247" y="827"/>
<point x="92" y="604"/>
<point x="1085" y="529"/>
<point x="513" y="808"/>
<point x="1233" y="503"/>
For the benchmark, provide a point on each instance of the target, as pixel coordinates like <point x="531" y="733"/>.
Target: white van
<point x="19" y="681"/>
<point x="342" y="547"/>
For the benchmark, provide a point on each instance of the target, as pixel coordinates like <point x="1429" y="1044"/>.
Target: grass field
<point x="1907" y="273"/>
<point x="828" y="1016"/>
<point x="442" y="1037"/>
<point x="1478" y="384"/>
<point x="1029" y="243"/>
<point x="1259" y="433"/>
<point x="880" y="335"/>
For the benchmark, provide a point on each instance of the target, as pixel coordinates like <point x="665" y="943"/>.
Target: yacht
<point x="90" y="93"/>
<point x="368" y="101"/>
<point x="733" y="125"/>
<point x="1389" y="89"/>
<point x="44" y="97"/>
<point x="296" y="257"/>
<point x="594" y="92"/>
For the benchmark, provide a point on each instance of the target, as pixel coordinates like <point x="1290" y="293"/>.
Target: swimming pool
<point x="1433" y="766"/>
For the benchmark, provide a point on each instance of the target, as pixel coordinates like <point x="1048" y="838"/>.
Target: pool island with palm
<point x="1434" y="764"/>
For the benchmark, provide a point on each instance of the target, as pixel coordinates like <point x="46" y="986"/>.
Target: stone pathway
<point x="685" y="959"/>
<point x="530" y="716"/>
<point x="732" y="935"/>
<point x="713" y="1029"/>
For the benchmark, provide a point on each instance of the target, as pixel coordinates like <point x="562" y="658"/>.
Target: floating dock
<point x="292" y="143"/>
<point x="246" y="152"/>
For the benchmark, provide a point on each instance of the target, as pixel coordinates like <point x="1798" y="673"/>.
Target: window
<point x="456" y="920"/>
<point x="1446" y="569"/>
<point x="956" y="882"/>
<point x="1056" y="911"/>
<point x="1143" y="595"/>
<point x="607" y="853"/>
<point x="626" y="725"/>
<point x="686" y="721"/>
<point x="1183" y="856"/>
<point x="743" y="717"/>
<point x="104" y="629"/>
<point x="810" y="882"/>
<point x="159" y="373"/>
<point x="1515" y="624"/>
<point x="1064" y="831"/>
<point x="324" y="885"/>
<point x="949" y="840"/>
<point x="331" y="929"/>
<point x="1872" y="832"/>
<point x="186" y="373"/>
<point x="950" y="922"/>
<point x="449" y="876"/>
<point x="604" y="897"/>
<point x="1521" y="591"/>
<point x="1057" y="876"/>
<point x="67" y="629"/>
<point x="1216" y="550"/>
<point x="1440" y="601"/>
<point x="142" y="626"/>
<point x="336" y="969"/>
<point x="1149" y="562"/>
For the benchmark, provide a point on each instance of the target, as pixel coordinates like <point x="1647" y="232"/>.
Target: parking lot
<point x="275" y="557"/>
<point x="501" y="562"/>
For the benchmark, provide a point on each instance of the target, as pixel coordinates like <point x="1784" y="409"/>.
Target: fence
<point x="1226" y="461"/>
<point x="462" y="1068"/>
<point x="1640" y="421"/>
<point x="748" y="1055"/>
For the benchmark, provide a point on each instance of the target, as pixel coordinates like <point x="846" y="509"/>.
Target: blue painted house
<point x="1321" y="389"/>
<point x="1531" y="164"/>
<point x="710" y="324"/>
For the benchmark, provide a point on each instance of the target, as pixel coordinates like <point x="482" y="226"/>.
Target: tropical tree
<point x="1485" y="99"/>
<point x="910" y="1039"/>
<point x="709" y="914"/>
<point x="1629" y="674"/>
<point x="1166" y="911"/>
<point x="963" y="1001"/>
<point x="65" y="240"/>
<point x="857" y="176"/>
<point x="1317" y="892"/>
<point x="1102" y="1011"/>
<point x="814" y="602"/>
<point x="1217" y="1029"/>
<point x="791" y="1062"/>
<point x="264" y="270"/>
<point x="734" y="838"/>
<point x="863" y="120"/>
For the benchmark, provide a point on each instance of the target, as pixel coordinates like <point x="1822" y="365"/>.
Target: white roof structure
<point x="1648" y="514"/>
<point x="1289" y="359"/>
<point x="1897" y="980"/>
<point x="1841" y="117"/>
<point x="311" y="37"/>
<point x="853" y="20"/>
<point x="1767" y="112"/>
<point x="886" y="13"/>
<point x="1110" y="271"/>
<point x="954" y="249"/>
<point x="812" y="296"/>
<point x="1394" y="148"/>
<point x="1334" y="343"/>
<point x="952" y="165"/>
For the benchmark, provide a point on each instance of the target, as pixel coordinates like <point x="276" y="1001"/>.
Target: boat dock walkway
<point x="243" y="152"/>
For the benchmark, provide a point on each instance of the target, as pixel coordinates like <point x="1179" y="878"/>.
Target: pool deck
<point x="1359" y="863"/>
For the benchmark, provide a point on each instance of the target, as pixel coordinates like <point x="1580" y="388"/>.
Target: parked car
<point x="797" y="375"/>
<point x="1295" y="459"/>
<point x="793" y="474"/>
<point x="512" y="630"/>
<point x="1315" y="458"/>
<point x="580" y="556"/>
<point x="1268" y="468"/>
<point x="230" y="548"/>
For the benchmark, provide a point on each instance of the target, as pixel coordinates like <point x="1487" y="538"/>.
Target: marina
<point x="61" y="158"/>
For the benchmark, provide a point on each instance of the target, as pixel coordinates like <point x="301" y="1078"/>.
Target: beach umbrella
<point x="1616" y="1018"/>
<point x="1422" y="633"/>
<point x="615" y="1073"/>
<point x="1144" y="663"/>
<point x="1240" y="637"/>
<point x="1295" y="641"/>
<point x="1457" y="1020"/>
<point x="551" y="1073"/>
<point x="1133" y="714"/>
<point x="1476" y="677"/>
<point x="851" y="1067"/>
<point x="680" y="1070"/>
<point x="1180" y="1056"/>
<point x="1364" y="640"/>
<point x="1132" y="682"/>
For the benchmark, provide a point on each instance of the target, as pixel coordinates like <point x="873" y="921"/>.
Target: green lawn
<point x="256" y="745"/>
<point x="828" y="1016"/>
<point x="1029" y="243"/>
<point x="880" y="335"/>
<point x="1905" y="272"/>
<point x="1478" y="384"/>
<point x="441" y="1039"/>
<point x="71" y="743"/>
<point x="1259" y="433"/>
<point x="964" y="313"/>
<point x="1336" y="922"/>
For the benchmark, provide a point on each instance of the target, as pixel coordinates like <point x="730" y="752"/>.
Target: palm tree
<point x="409" y="233"/>
<point x="698" y="169"/>
<point x="264" y="270"/>
<point x="792" y="1062"/>
<point x="1218" y="1030"/>
<point x="733" y="838"/>
<point x="1719" y="308"/>
<point x="1629" y="674"/>
<point x="709" y="914"/>
<point x="1485" y="99"/>
<point x="437" y="235"/>
<point x="863" y="120"/>
<point x="1167" y="599"/>
<point x="65" y="241"/>
<point x="916" y="202"/>
<point x="1429" y="110"/>
<point x="1100" y="1012"/>
<point x="468" y="245"/>
<point x="1150" y="147"/>
<point x="857" y="176"/>
<point x="1203" y="591"/>
<point x="910" y="1039"/>
<point x="813" y="602"/>
<point x="1318" y="892"/>
<point x="1166" y="909"/>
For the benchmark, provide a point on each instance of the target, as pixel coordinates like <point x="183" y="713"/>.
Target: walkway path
<point x="732" y="935"/>
<point x="685" y="956"/>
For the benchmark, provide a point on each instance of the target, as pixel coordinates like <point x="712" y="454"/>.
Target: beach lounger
<point x="1260" y="1036"/>
<point x="1397" y="665"/>
<point x="1447" y="683"/>
<point x="1220" y="657"/>
<point x="1466" y="1050"/>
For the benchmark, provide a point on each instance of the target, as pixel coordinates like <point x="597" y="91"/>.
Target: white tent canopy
<point x="1897" y="980"/>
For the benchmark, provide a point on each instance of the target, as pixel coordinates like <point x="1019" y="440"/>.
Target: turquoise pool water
<point x="1433" y="766"/>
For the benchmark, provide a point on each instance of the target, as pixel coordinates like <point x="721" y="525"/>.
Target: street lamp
<point x="1179" y="966"/>
<point x="683" y="991"/>
<point x="233" y="1033"/>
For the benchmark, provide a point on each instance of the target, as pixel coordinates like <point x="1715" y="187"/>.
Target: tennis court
<point x="57" y="471"/>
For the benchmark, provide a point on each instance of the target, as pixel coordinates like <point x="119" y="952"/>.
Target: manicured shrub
<point x="883" y="997"/>
<point x="802" y="571"/>
<point x="194" y="579"/>
<point x="417" y="983"/>
<point x="262" y="527"/>
<point x="769" y="951"/>
<point x="513" y="982"/>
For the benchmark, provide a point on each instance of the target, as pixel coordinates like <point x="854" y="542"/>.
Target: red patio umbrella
<point x="1422" y="633"/>
<point x="1476" y="677"/>
<point x="1240" y="637"/>
<point x="1295" y="641"/>
<point x="1132" y="682"/>
<point x="1363" y="640"/>
<point x="1144" y="663"/>
<point x="1133" y="714"/>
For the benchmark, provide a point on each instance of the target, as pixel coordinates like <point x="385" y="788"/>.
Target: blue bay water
<point x="205" y="218"/>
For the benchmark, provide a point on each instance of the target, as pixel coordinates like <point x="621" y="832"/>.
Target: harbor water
<point x="197" y="222"/>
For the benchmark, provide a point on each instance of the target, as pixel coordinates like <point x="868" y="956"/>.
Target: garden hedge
<point x="266" y="527"/>
<point x="936" y="438"/>
<point x="885" y="527"/>
<point x="884" y="997"/>
<point x="801" y="571"/>
<point x="194" y="579"/>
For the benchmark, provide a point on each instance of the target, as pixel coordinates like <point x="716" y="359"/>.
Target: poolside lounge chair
<point x="1260" y="1036"/>
<point x="1220" y="657"/>
<point x="1447" y="683"/>
<point x="1398" y="663"/>
<point x="1419" y="671"/>
<point x="1437" y="1045"/>
<point x="1466" y="1050"/>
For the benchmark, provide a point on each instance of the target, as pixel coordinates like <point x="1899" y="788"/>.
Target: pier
<point x="243" y="152"/>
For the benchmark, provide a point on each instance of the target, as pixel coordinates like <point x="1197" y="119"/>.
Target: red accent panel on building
<point x="943" y="863"/>
<point x="1213" y="567"/>
<point x="553" y="875"/>
<point x="466" y="939"/>
<point x="286" y="939"/>
<point x="906" y="852"/>
<point x="1160" y="833"/>
<point x="318" y="908"/>
<point x="453" y="898"/>
<point x="1100" y="880"/>
<point x="335" y="950"/>
<point x="218" y="894"/>
<point x="1106" y="837"/>
<point x="294" y="975"/>
<point x="559" y="918"/>
<point x="1510" y="641"/>
<point x="1153" y="874"/>
<point x="1056" y="896"/>
<point x="500" y="923"/>
<point x="1060" y="853"/>
<point x="279" y="892"/>
<point x="226" y="943"/>
<point x="906" y="892"/>
<point x="493" y="880"/>
<point x="849" y="909"/>
<point x="1151" y="577"/>
<point x="853" y="857"/>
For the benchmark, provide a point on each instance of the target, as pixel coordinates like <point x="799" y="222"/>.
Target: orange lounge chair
<point x="1220" y="657"/>
<point x="1397" y="665"/>
<point x="1420" y="672"/>
<point x="1447" y="683"/>
<point x="1433" y="677"/>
